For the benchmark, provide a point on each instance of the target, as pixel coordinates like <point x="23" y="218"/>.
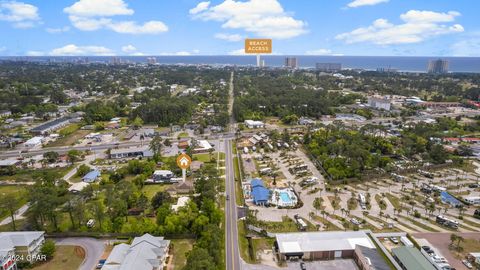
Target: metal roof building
<point x="91" y="176"/>
<point x="410" y="258"/>
<point x="260" y="193"/>
<point x="321" y="245"/>
<point x="146" y="252"/>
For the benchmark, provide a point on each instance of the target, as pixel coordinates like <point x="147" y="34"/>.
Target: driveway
<point x="94" y="249"/>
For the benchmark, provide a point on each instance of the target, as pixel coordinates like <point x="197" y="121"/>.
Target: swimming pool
<point x="285" y="198"/>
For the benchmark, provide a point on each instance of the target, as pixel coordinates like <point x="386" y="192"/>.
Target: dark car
<point x="302" y="266"/>
<point x="227" y="197"/>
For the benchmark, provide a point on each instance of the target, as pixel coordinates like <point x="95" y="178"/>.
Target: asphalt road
<point x="93" y="249"/>
<point x="231" y="230"/>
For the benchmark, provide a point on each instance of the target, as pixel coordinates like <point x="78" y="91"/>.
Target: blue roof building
<point x="260" y="193"/>
<point x="448" y="198"/>
<point x="91" y="176"/>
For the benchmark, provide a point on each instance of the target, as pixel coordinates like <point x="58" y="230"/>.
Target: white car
<point x="90" y="223"/>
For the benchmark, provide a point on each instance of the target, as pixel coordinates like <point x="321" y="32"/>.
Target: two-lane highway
<point x="231" y="229"/>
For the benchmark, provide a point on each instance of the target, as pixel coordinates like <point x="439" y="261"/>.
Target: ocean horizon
<point x="400" y="63"/>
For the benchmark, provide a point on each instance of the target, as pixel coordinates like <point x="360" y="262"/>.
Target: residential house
<point x="146" y="252"/>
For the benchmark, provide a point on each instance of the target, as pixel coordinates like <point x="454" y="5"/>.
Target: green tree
<point x="83" y="170"/>
<point x="199" y="259"/>
<point x="48" y="249"/>
<point x="137" y="123"/>
<point x="9" y="202"/>
<point x="156" y="146"/>
<point x="50" y="156"/>
<point x="73" y="155"/>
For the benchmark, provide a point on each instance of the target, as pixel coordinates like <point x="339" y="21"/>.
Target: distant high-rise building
<point x="438" y="66"/>
<point x="116" y="60"/>
<point x="291" y="62"/>
<point x="329" y="67"/>
<point x="152" y="60"/>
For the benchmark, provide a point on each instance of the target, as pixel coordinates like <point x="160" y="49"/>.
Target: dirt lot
<point x="441" y="241"/>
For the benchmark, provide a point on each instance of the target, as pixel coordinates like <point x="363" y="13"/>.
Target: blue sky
<point x="218" y="27"/>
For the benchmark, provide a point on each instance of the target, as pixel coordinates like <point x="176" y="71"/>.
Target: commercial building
<point x="438" y="66"/>
<point x="23" y="244"/>
<point x="35" y="141"/>
<point x="328" y="67"/>
<point x="379" y="103"/>
<point x="260" y="193"/>
<point x="254" y="124"/>
<point x="202" y="146"/>
<point x="320" y="245"/>
<point x="291" y="62"/>
<point x="410" y="258"/>
<point x="143" y="151"/>
<point x="146" y="252"/>
<point x="50" y="126"/>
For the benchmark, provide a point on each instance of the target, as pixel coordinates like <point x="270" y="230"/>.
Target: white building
<point x="25" y="244"/>
<point x="146" y="252"/>
<point x="254" y="124"/>
<point x="161" y="176"/>
<point x="143" y="151"/>
<point x="35" y="141"/>
<point x="202" y="146"/>
<point x="379" y="103"/>
<point x="181" y="202"/>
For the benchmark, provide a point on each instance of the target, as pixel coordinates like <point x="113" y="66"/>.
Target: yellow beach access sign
<point x="256" y="46"/>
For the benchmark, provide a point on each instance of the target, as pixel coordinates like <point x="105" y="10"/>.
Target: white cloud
<point x="58" y="30"/>
<point x="229" y="37"/>
<point x="322" y="52"/>
<point x="182" y="53"/>
<point x="417" y="27"/>
<point x="360" y="3"/>
<point x="95" y="8"/>
<point x="264" y="18"/>
<point x="468" y="46"/>
<point x="91" y="15"/>
<point x="129" y="48"/>
<point x="200" y="7"/>
<point x="35" y="53"/>
<point x="130" y="27"/>
<point x="20" y="14"/>
<point x="74" y="50"/>
<point x="238" y="52"/>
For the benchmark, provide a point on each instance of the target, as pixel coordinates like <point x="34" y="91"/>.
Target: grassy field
<point x="19" y="192"/>
<point x="238" y="183"/>
<point x="379" y="198"/>
<point x="329" y="226"/>
<point x="243" y="242"/>
<point x="27" y="175"/>
<point x="151" y="190"/>
<point x="70" y="135"/>
<point x="66" y="257"/>
<point x="395" y="201"/>
<point x="337" y="200"/>
<point x="180" y="248"/>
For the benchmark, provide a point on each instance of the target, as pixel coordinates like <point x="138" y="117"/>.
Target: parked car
<point x="467" y="264"/>
<point x="302" y="266"/>
<point x="394" y="240"/>
<point x="90" y="223"/>
<point x="100" y="263"/>
<point x="354" y="221"/>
